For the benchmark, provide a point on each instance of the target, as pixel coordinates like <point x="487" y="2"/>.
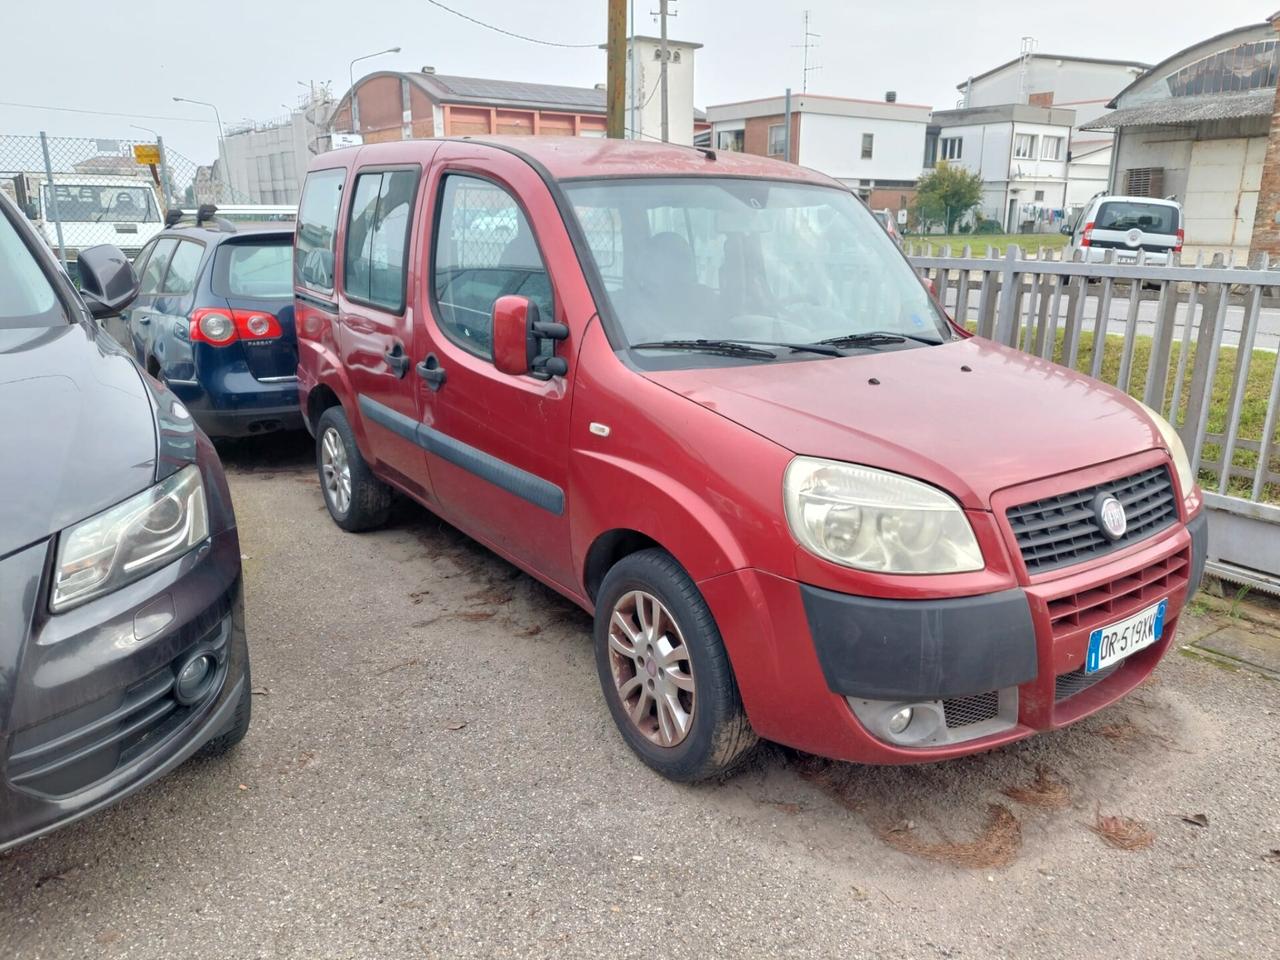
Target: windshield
<point x="263" y="270"/>
<point x="1129" y="215"/>
<point x="94" y="203"/>
<point x="735" y="259"/>
<point x="26" y="296"/>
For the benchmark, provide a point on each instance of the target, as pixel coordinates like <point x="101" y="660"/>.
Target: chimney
<point x="428" y="69"/>
<point x="891" y="96"/>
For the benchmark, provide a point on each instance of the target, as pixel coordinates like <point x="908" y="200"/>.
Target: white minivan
<point x="1126" y="225"/>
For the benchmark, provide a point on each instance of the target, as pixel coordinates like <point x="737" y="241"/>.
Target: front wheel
<point x="357" y="500"/>
<point x="665" y="673"/>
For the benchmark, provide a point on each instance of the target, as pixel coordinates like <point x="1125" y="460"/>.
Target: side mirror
<point x="1065" y="229"/>
<point x="108" y="282"/>
<point x="518" y="335"/>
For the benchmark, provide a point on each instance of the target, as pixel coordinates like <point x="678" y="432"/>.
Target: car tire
<point x="676" y="657"/>
<point x="357" y="500"/>
<point x="237" y="727"/>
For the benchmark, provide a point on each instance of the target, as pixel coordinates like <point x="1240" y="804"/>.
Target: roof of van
<point x="567" y="158"/>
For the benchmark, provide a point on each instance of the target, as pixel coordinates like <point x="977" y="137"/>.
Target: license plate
<point x="1112" y="643"/>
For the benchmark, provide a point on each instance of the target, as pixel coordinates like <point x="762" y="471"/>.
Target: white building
<point x="266" y="163"/>
<point x="1082" y="84"/>
<point x="1196" y="128"/>
<point x="874" y="146"/>
<point x="644" y="105"/>
<point x="1019" y="150"/>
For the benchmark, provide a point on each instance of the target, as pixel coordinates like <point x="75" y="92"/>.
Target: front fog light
<point x="194" y="678"/>
<point x="900" y="720"/>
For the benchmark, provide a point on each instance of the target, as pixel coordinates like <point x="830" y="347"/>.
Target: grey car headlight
<point x="130" y="540"/>
<point x="874" y="520"/>
<point x="1177" y="451"/>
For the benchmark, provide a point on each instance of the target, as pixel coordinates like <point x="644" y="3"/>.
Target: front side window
<point x="374" y="263"/>
<point x="94" y="203"/>
<point x="777" y="140"/>
<point x="726" y="259"/>
<point x="318" y="229"/>
<point x="183" y="268"/>
<point x="157" y="264"/>
<point x="1024" y="146"/>
<point x="27" y="298"/>
<point x="485" y="249"/>
<point x="1052" y="149"/>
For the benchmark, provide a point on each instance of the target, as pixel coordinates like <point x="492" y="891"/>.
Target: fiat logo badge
<point x="1111" y="516"/>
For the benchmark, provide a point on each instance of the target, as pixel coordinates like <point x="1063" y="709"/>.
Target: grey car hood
<point x="77" y="432"/>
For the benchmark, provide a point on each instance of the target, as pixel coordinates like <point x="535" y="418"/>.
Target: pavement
<point x="431" y="772"/>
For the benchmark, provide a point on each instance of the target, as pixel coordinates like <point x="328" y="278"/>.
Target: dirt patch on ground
<point x="1043" y="790"/>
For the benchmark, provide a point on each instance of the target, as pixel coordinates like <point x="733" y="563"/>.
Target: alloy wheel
<point x="651" y="668"/>
<point x="335" y="470"/>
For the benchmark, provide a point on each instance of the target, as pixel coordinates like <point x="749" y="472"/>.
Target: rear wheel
<point x="357" y="500"/>
<point x="665" y="673"/>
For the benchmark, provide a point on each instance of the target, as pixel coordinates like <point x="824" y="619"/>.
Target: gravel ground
<point x="431" y="772"/>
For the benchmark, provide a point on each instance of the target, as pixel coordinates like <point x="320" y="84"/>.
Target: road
<point x="431" y="772"/>
<point x="1267" y="338"/>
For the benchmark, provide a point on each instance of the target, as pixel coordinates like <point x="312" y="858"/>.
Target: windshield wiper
<point x="726" y="348"/>
<point x="875" y="337"/>
<point x="825" y="349"/>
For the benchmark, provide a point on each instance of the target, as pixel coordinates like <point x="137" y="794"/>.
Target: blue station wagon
<point x="214" y="321"/>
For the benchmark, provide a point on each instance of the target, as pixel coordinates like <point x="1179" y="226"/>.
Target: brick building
<point x="401" y="106"/>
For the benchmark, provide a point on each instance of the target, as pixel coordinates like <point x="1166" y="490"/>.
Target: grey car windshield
<point x="758" y="260"/>
<point x="27" y="299"/>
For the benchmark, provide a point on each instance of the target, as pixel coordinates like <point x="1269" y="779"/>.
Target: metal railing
<point x="1197" y="343"/>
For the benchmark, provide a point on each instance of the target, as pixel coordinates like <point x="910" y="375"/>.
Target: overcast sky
<point x="248" y="56"/>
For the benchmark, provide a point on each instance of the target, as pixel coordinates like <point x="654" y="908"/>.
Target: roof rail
<point x="205" y="217"/>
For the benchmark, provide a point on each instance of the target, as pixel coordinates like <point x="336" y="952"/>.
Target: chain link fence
<point x="82" y="191"/>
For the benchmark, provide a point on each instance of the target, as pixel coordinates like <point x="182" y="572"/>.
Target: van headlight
<point x="1177" y="452"/>
<point x="130" y="540"/>
<point x="873" y="520"/>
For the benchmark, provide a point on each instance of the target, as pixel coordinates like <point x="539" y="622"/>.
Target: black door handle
<point x="397" y="359"/>
<point x="431" y="371"/>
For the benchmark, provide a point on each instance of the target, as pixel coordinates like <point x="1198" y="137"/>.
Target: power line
<point x="101" y="113"/>
<point x="509" y="33"/>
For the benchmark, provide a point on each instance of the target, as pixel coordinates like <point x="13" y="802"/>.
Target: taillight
<point x="1177" y="247"/>
<point x="221" y="327"/>
<point x="1086" y="237"/>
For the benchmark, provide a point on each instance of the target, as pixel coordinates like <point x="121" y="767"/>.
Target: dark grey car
<point x="122" y="642"/>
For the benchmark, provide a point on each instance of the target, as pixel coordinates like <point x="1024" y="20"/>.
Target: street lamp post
<point x="351" y="80"/>
<point x="221" y="153"/>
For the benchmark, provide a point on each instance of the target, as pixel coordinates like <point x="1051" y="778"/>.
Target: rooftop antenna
<point x="809" y="38"/>
<point x="1024" y="65"/>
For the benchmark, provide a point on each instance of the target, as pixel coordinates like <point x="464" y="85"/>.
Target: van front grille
<point x="1064" y="529"/>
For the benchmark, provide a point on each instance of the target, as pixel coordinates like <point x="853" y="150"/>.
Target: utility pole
<point x="637" y="125"/>
<point x="662" y="34"/>
<point x="616" y="70"/>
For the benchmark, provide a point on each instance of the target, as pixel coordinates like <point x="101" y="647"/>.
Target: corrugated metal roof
<point x="1182" y="110"/>
<point x="453" y="89"/>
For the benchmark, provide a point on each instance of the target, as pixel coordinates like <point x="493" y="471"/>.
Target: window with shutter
<point x="1145" y="182"/>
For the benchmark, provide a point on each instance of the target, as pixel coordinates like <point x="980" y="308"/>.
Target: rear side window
<point x="157" y="264"/>
<point x="317" y="229"/>
<point x="374" y="260"/>
<point x="1132" y="215"/>
<point x="484" y="249"/>
<point x="183" y="268"/>
<point x="257" y="270"/>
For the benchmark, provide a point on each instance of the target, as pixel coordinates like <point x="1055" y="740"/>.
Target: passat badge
<point x="1111" y="516"/>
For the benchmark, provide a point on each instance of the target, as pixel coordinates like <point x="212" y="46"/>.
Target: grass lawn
<point x="981" y="244"/>
<point x="1252" y="413"/>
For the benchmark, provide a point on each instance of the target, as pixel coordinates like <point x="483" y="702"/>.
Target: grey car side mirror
<point x="108" y="282"/>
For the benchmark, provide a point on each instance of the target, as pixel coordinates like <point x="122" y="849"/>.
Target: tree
<point x="945" y="195"/>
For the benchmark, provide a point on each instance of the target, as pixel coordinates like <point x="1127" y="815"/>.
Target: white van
<point x="93" y="208"/>
<point x="1126" y="225"/>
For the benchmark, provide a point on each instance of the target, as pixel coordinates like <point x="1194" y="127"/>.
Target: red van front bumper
<point x="793" y="695"/>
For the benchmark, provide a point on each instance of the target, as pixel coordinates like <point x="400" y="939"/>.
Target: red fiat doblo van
<point x="705" y="397"/>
